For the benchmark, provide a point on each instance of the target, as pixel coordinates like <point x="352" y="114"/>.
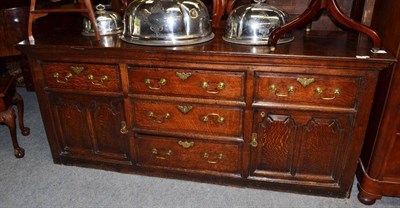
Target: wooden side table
<point x="8" y="98"/>
<point x="84" y="7"/>
<point x="314" y="9"/>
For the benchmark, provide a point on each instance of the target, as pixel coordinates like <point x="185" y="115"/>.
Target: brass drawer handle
<point x="220" y="86"/>
<point x="274" y="88"/>
<point x="161" y="82"/>
<point x="67" y="77"/>
<point x="154" y="151"/>
<point x="153" y="117"/>
<point x="319" y="91"/>
<point x="213" y="116"/>
<point x="103" y="79"/>
<point x="186" y="144"/>
<point x="123" y="129"/>
<point x="183" y="75"/>
<point x="218" y="157"/>
<point x="254" y="142"/>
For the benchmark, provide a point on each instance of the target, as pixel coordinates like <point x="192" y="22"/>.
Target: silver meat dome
<point x="166" y="22"/>
<point x="252" y="24"/>
<point x="108" y="22"/>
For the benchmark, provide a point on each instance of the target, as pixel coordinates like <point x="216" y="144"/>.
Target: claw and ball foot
<point x="19" y="152"/>
<point x="8" y="118"/>
<point x="19" y="102"/>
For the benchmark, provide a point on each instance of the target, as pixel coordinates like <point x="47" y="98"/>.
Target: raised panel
<point x="90" y="126"/>
<point x="106" y="119"/>
<point x="391" y="167"/>
<point x="321" y="139"/>
<point x="300" y="145"/>
<point x="276" y="140"/>
<point x="71" y="120"/>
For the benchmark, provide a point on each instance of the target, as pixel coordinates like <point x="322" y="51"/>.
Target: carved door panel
<point x="391" y="168"/>
<point x="90" y="126"/>
<point x="299" y="145"/>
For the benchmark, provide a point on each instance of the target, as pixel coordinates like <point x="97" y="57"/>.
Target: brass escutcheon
<point x="77" y="69"/>
<point x="305" y="81"/>
<point x="183" y="75"/>
<point x="186" y="144"/>
<point x="123" y="129"/>
<point x="254" y="142"/>
<point x="184" y="108"/>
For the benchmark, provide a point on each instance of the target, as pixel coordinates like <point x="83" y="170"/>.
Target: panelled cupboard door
<point x="90" y="126"/>
<point x="303" y="146"/>
<point x="391" y="169"/>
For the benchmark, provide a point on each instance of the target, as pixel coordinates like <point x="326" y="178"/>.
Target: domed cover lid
<point x="108" y="22"/>
<point x="252" y="24"/>
<point x="166" y="22"/>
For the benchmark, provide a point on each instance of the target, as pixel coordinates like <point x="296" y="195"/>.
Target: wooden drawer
<point x="188" y="154"/>
<point x="187" y="83"/>
<point x="81" y="76"/>
<point x="307" y="89"/>
<point x="184" y="117"/>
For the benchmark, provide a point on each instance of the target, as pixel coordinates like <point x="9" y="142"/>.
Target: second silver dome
<point x="252" y="24"/>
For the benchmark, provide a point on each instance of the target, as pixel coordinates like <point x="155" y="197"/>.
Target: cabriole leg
<point x="17" y="100"/>
<point x="8" y="118"/>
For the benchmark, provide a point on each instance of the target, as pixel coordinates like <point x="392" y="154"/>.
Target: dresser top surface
<point x="326" y="45"/>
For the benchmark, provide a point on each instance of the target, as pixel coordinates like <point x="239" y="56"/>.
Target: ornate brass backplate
<point x="77" y="69"/>
<point x="183" y="75"/>
<point x="305" y="81"/>
<point x="184" y="108"/>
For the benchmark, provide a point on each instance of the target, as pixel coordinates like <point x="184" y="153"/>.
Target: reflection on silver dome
<point x="166" y="22"/>
<point x="108" y="22"/>
<point x="252" y="24"/>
